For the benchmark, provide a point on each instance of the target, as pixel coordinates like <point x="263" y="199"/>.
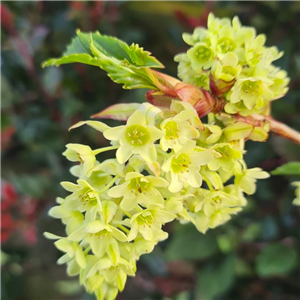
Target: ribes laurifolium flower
<point x="167" y="164"/>
<point x="116" y="210"/>
<point x="227" y="52"/>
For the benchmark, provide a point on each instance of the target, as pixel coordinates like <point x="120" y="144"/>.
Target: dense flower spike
<point x="116" y="210"/>
<point x="232" y="55"/>
<point x="168" y="165"/>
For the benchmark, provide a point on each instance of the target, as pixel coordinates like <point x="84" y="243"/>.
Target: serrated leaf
<point x="119" y="72"/>
<point x="124" y="64"/>
<point x="276" y="259"/>
<point x="74" y="58"/>
<point x="120" y="112"/>
<point x="141" y="58"/>
<point x="291" y="168"/>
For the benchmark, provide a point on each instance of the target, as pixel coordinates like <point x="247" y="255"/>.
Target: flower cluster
<point x="168" y="165"/>
<point x="233" y="62"/>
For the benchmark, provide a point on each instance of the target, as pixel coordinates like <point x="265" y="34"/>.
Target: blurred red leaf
<point x="191" y="22"/>
<point x="7" y="19"/>
<point x="6" y="136"/>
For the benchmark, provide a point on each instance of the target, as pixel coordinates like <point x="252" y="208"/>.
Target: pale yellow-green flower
<point x="246" y="179"/>
<point x="138" y="189"/>
<point x="252" y="92"/>
<point x="227" y="69"/>
<point x="184" y="166"/>
<point x="226" y="159"/>
<point x="148" y="223"/>
<point x="177" y="130"/>
<point x="201" y="56"/>
<point x="215" y="209"/>
<point x="136" y="137"/>
<point x="84" y="154"/>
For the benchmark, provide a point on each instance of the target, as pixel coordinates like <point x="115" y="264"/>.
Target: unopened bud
<point x="202" y="100"/>
<point x="220" y="87"/>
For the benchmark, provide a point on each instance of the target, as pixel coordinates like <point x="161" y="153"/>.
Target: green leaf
<point x="120" y="112"/>
<point x="291" y="168"/>
<point x="141" y="58"/>
<point x="124" y="64"/>
<point x="188" y="243"/>
<point x="215" y="280"/>
<point x="276" y="259"/>
<point x="119" y="71"/>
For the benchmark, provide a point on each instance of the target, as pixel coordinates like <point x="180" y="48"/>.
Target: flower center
<point x="101" y="233"/>
<point x="226" y="45"/>
<point x="145" y="220"/>
<point x="171" y="130"/>
<point x="180" y="163"/>
<point x="136" y="185"/>
<point x="201" y="80"/>
<point x="216" y="201"/>
<point x="203" y="53"/>
<point x="256" y="57"/>
<point x="87" y="196"/>
<point x="229" y="70"/>
<point x="137" y="135"/>
<point x="251" y="88"/>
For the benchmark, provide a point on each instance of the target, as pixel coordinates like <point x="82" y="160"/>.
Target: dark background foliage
<point x="254" y="256"/>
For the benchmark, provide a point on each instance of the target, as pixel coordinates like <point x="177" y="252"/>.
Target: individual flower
<point x="255" y="52"/>
<point x="228" y="69"/>
<point x="214" y="24"/>
<point x="84" y="154"/>
<point x="280" y="81"/>
<point x="179" y="106"/>
<point x="102" y="270"/>
<point x="247" y="178"/>
<point x="136" y="137"/>
<point x="215" y="209"/>
<point x="251" y="91"/>
<point x="100" y="234"/>
<point x="187" y="74"/>
<point x="226" y="158"/>
<point x="69" y="216"/>
<point x="201" y="56"/>
<point x="83" y="195"/>
<point x="148" y="223"/>
<point x="199" y="34"/>
<point x="210" y="135"/>
<point x="184" y="166"/>
<point x="74" y="255"/>
<point x="177" y="130"/>
<point x="138" y="189"/>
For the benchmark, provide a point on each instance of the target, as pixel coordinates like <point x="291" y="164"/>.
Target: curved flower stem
<point x="98" y="151"/>
<point x="283" y="130"/>
<point x="109" y="184"/>
<point x="207" y="103"/>
<point x="123" y="228"/>
<point x="208" y="183"/>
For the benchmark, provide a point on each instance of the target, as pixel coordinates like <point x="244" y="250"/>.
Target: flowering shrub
<point x="168" y="163"/>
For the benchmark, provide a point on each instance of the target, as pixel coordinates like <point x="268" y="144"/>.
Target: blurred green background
<point x="254" y="256"/>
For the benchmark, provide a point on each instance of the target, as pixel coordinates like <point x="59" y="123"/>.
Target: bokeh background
<point x="254" y="256"/>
